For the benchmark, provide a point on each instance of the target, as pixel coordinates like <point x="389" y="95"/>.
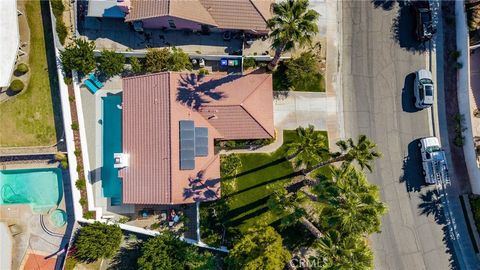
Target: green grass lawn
<point x="244" y="197"/>
<point x="280" y="82"/>
<point x="28" y="118"/>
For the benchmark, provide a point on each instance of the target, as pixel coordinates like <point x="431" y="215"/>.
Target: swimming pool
<point x="112" y="143"/>
<point x="42" y="189"/>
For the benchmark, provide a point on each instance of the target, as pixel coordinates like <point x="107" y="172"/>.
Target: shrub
<point x="89" y="214"/>
<point x="249" y="62"/>
<point x="80" y="183"/>
<point x="64" y="164"/>
<point x="22" y="68"/>
<point x="59" y="156"/>
<point x="62" y="30"/>
<point x="136" y="65"/>
<point x="303" y="73"/>
<point x="74" y="126"/>
<point x="79" y="56"/>
<point x="79" y="168"/>
<point x="70" y="263"/>
<point x="203" y="71"/>
<point x="16" y="85"/>
<point x="155" y="226"/>
<point x="77" y="153"/>
<point x="124" y="220"/>
<point x="57" y="8"/>
<point x="230" y="164"/>
<point x="82" y="201"/>
<point x="71" y="98"/>
<point x="111" y="63"/>
<point x="179" y="61"/>
<point x="68" y="81"/>
<point x="96" y="241"/>
<point x="156" y="60"/>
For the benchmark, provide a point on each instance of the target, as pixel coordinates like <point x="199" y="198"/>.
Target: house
<point x="199" y="15"/>
<point x="9" y="40"/>
<point x="170" y="122"/>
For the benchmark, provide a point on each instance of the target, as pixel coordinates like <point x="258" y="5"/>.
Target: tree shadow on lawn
<point x="240" y="210"/>
<point x="264" y="166"/>
<point x="271" y="181"/>
<point x="127" y="257"/>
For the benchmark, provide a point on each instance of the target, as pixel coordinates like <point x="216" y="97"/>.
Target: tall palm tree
<point x="293" y="23"/>
<point x="363" y="152"/>
<point x="344" y="251"/>
<point x="309" y="148"/>
<point x="352" y="204"/>
<point x="289" y="206"/>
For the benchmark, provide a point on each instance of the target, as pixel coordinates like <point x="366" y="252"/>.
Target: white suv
<point x="423" y="89"/>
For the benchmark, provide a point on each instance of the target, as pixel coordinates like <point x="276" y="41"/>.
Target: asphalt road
<point x="379" y="54"/>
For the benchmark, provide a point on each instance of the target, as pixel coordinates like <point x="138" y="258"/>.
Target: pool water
<point x="58" y="218"/>
<point x="112" y="143"/>
<point x="42" y="189"/>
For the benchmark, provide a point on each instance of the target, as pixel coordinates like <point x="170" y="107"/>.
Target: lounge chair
<point x="94" y="79"/>
<point x="91" y="86"/>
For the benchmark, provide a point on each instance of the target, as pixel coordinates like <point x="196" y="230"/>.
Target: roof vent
<point x="120" y="160"/>
<point x="213" y="117"/>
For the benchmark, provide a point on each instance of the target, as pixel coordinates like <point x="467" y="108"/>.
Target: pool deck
<point x="32" y="232"/>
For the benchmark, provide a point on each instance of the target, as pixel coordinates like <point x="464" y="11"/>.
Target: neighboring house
<point x="170" y="122"/>
<point x="9" y="40"/>
<point x="198" y="15"/>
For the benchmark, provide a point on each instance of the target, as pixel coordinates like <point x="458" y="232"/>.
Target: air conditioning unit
<point x="121" y="160"/>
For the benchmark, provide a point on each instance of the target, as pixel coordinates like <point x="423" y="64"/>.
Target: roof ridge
<point x="146" y="75"/>
<point x="256" y="88"/>
<point x="255" y="119"/>
<point x="170" y="135"/>
<point x="259" y="12"/>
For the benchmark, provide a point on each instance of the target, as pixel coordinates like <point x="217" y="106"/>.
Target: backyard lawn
<point x="244" y="197"/>
<point x="28" y="118"/>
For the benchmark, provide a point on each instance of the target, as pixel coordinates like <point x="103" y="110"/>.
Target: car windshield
<point x="426" y="81"/>
<point x="428" y="90"/>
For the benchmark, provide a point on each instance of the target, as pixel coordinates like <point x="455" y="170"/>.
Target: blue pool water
<point x="112" y="143"/>
<point x="42" y="189"/>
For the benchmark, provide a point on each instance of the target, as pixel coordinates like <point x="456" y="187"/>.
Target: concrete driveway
<point x="304" y="108"/>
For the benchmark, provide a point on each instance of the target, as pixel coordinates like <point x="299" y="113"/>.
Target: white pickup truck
<point x="434" y="161"/>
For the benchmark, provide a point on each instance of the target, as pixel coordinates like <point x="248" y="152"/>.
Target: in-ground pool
<point x="112" y="143"/>
<point x="42" y="189"/>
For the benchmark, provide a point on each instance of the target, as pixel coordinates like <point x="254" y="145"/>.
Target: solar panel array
<point x="193" y="143"/>
<point x="187" y="145"/>
<point x="201" y="142"/>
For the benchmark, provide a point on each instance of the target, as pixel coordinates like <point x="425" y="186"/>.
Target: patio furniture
<point x="146" y="213"/>
<point x="90" y="86"/>
<point x="94" y="79"/>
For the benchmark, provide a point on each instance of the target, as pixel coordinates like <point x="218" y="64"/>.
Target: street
<point x="379" y="56"/>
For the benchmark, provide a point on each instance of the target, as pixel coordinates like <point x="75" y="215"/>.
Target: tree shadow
<point x="412" y="168"/>
<point x="195" y="91"/>
<point x="384" y="4"/>
<point x="408" y="97"/>
<point x="403" y="29"/>
<point x="264" y="166"/>
<point x="127" y="257"/>
<point x="202" y="190"/>
<point x="431" y="205"/>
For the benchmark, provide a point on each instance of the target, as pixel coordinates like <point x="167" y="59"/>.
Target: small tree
<point x="135" y="65"/>
<point x="304" y="73"/>
<point x="97" y="240"/>
<point x="16" y="86"/>
<point x="260" y="248"/>
<point x="167" y="252"/>
<point x="22" y="68"/>
<point x="111" y="63"/>
<point x="157" y="60"/>
<point x="79" y="56"/>
<point x="179" y="61"/>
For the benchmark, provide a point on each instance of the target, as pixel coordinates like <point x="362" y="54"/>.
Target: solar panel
<point x="187" y="145"/>
<point x="201" y="142"/>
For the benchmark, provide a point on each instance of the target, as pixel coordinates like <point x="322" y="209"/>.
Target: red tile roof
<point x="231" y="107"/>
<point x="225" y="14"/>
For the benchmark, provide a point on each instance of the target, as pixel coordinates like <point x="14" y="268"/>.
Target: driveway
<point x="307" y="108"/>
<point x="379" y="55"/>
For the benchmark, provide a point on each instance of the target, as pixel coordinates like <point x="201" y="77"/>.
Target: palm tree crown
<point x="292" y="23"/>
<point x="309" y="148"/>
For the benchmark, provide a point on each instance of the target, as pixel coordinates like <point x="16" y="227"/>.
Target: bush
<point x="79" y="168"/>
<point x="59" y="156"/>
<point x="75" y="126"/>
<point x="62" y="30"/>
<point x="96" y="241"/>
<point x="22" y="68"/>
<point x="230" y="164"/>
<point x="156" y="60"/>
<point x="64" y="164"/>
<point x="77" y="153"/>
<point x="136" y="65"/>
<point x="124" y="220"/>
<point x="80" y="183"/>
<point x="68" y="81"/>
<point x="111" y="63"/>
<point x="155" y="226"/>
<point x="179" y="61"/>
<point x="249" y="62"/>
<point x="303" y="74"/>
<point x="70" y="263"/>
<point x="16" y="85"/>
<point x="57" y="8"/>
<point x="79" y="56"/>
<point x="82" y="201"/>
<point x="203" y="71"/>
<point x="89" y="215"/>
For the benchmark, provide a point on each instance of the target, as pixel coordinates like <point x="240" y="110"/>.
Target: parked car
<point x="434" y="163"/>
<point x="423" y="89"/>
<point x="423" y="14"/>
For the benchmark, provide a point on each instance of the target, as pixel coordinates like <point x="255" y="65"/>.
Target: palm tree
<point x="309" y="148"/>
<point x="337" y="251"/>
<point x="289" y="206"/>
<point x="292" y="23"/>
<point x="352" y="204"/>
<point x="363" y="152"/>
